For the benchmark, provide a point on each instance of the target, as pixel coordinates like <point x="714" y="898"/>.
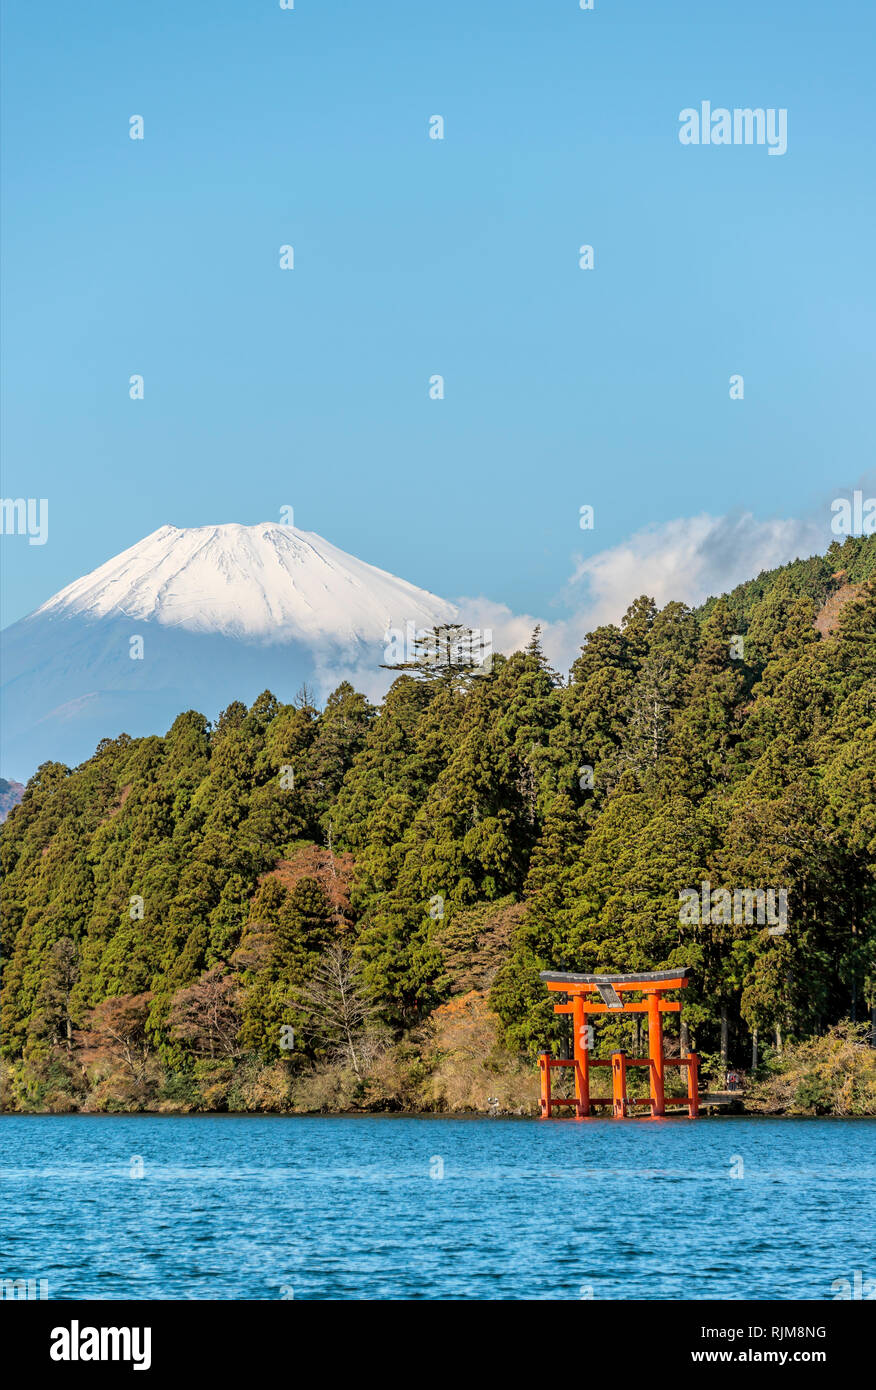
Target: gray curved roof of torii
<point x="647" y="977"/>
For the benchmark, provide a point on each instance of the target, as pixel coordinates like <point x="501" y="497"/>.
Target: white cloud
<point x="689" y="558"/>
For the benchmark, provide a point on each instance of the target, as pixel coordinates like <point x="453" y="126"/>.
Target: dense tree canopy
<point x="538" y="822"/>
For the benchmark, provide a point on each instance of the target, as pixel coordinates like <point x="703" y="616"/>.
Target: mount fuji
<point x="192" y="619"/>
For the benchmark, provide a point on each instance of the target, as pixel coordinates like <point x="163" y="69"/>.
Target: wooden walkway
<point x="719" y="1098"/>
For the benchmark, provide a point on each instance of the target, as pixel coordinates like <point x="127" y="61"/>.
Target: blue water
<point x="268" y="1207"/>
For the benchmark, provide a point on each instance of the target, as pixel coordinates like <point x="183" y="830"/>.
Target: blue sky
<point x="309" y="388"/>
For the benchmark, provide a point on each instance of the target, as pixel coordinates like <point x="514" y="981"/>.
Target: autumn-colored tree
<point x="206" y="1017"/>
<point x="116" y="1030"/>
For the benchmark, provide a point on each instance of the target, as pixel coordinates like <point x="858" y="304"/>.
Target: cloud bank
<point x="689" y="558"/>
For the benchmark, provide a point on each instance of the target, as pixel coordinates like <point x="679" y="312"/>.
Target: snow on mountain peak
<point x="268" y="582"/>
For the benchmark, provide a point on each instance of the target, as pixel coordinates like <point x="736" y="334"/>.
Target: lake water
<point x="267" y="1207"/>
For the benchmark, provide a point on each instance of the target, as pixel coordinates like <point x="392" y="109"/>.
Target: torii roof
<point x="648" y="977"/>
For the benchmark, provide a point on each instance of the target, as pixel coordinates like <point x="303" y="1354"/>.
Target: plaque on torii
<point x="602" y="994"/>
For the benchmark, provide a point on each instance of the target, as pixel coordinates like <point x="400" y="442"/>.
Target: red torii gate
<point x="580" y="989"/>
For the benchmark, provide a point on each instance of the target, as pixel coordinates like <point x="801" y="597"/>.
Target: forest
<point x="295" y="908"/>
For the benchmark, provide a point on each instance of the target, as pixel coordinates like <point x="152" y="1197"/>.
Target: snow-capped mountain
<point x="269" y="582"/>
<point x="192" y="619"/>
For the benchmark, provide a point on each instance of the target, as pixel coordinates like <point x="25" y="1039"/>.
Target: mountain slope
<point x="195" y="617"/>
<point x="265" y="582"/>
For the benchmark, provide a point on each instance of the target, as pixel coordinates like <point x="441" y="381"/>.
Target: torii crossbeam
<point x="608" y="991"/>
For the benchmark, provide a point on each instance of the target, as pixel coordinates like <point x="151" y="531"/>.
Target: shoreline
<point x="394" y="1115"/>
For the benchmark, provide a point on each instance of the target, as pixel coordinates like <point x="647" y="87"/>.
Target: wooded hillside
<point x="291" y="889"/>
